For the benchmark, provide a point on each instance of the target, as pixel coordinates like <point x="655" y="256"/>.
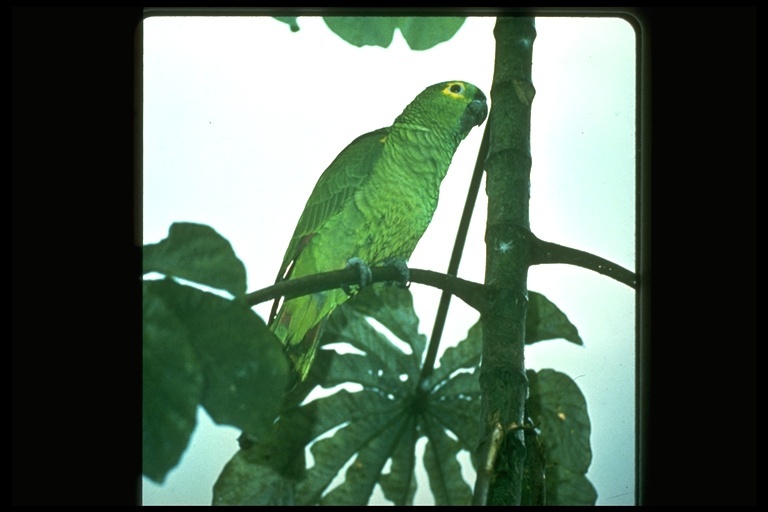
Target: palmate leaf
<point x="377" y="427"/>
<point x="365" y="430"/>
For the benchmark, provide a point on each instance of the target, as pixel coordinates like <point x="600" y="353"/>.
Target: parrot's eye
<point x="457" y="88"/>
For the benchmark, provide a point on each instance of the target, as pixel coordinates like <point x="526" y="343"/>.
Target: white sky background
<point x="241" y="116"/>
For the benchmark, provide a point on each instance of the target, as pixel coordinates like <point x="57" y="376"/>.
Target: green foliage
<point x="201" y="349"/>
<point x="364" y="430"/>
<point x="421" y="33"/>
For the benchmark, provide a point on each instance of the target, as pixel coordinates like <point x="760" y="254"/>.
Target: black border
<point x="76" y="406"/>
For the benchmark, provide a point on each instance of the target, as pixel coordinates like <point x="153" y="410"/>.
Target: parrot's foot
<point x="366" y="276"/>
<point x="402" y="268"/>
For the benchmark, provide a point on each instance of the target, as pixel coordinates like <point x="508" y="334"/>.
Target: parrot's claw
<point x="402" y="268"/>
<point x="366" y="276"/>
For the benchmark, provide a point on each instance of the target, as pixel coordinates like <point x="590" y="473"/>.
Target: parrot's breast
<point x="401" y="196"/>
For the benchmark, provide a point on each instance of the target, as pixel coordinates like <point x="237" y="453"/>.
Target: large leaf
<point x="200" y="348"/>
<point x="197" y="253"/>
<point x="421" y="32"/>
<point x="172" y="388"/>
<point x="559" y="409"/>
<point x="365" y="430"/>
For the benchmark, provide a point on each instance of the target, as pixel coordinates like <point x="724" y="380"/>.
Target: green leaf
<point x="567" y="488"/>
<point x="172" y="388"/>
<point x="244" y="366"/>
<point x="365" y="430"/>
<point x="545" y="321"/>
<point x="362" y="30"/>
<point x="393" y="308"/>
<point x="464" y="355"/>
<point x="443" y="468"/>
<point x="266" y="470"/>
<point x="399" y="485"/>
<point x="376" y="426"/>
<point x="200" y="348"/>
<point x="558" y="408"/>
<point x="421" y="33"/>
<point x="456" y="405"/>
<point x="291" y="21"/>
<point x="246" y="480"/>
<point x="197" y="253"/>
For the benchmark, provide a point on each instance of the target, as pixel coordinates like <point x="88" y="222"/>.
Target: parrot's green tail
<point x="299" y="325"/>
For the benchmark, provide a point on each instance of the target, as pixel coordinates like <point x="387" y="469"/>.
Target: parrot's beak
<point x="478" y="109"/>
<point x="475" y="114"/>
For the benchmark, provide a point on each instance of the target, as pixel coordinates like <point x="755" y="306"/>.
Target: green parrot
<point x="372" y="204"/>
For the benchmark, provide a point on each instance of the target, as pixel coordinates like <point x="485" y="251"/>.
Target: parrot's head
<point x="456" y="105"/>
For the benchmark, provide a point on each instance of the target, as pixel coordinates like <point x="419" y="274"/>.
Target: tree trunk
<point x="503" y="384"/>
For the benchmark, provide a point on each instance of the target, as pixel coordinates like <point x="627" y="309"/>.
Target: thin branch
<point x="458" y="248"/>
<point x="547" y="252"/>
<point x="471" y="293"/>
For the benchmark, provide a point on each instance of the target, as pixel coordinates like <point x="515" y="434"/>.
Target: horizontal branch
<point x="546" y="252"/>
<point x="474" y="294"/>
<point x="470" y="292"/>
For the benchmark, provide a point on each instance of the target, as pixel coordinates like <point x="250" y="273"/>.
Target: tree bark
<point x="503" y="384"/>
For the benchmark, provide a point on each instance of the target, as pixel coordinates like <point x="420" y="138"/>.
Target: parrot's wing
<point x="346" y="174"/>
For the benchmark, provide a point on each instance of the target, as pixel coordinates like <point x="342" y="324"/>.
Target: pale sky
<point x="241" y="116"/>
